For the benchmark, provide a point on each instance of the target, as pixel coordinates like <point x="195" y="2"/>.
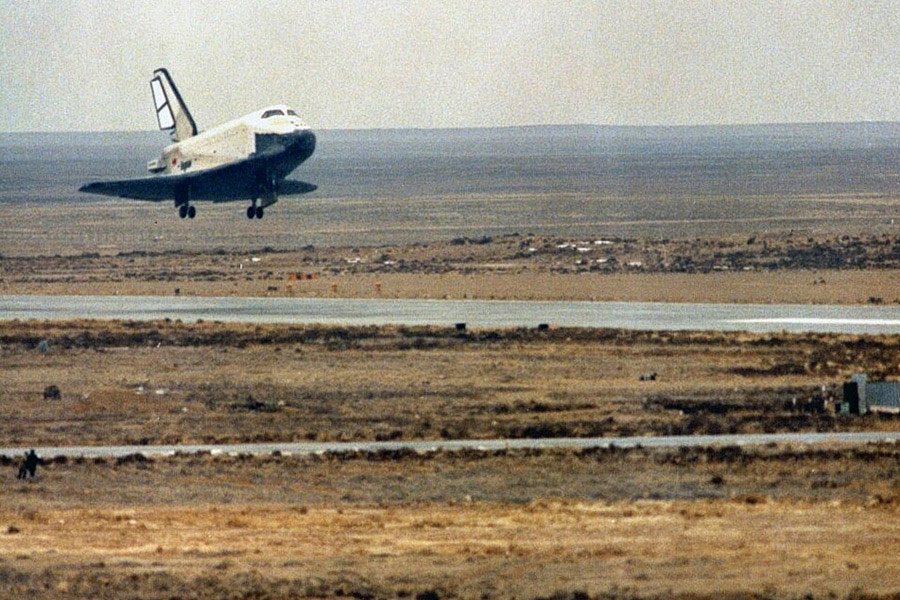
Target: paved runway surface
<point x="432" y="446"/>
<point x="477" y="313"/>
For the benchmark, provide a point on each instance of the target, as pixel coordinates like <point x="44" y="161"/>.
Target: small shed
<point x="855" y="395"/>
<point x="862" y="396"/>
<point x="883" y="396"/>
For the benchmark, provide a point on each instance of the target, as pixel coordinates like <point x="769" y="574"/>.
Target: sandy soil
<point x="806" y="287"/>
<point x="699" y="550"/>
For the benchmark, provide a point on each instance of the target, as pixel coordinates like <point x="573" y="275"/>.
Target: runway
<point x="475" y="313"/>
<point x="307" y="448"/>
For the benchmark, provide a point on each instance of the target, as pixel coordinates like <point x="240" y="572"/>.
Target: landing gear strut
<point x="266" y="194"/>
<point x="182" y="202"/>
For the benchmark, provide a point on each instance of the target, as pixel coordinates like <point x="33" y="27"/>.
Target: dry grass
<point x="675" y="549"/>
<point x="700" y="523"/>
<point x="170" y="382"/>
<point x="770" y="268"/>
<point x="787" y="523"/>
<point x="861" y="475"/>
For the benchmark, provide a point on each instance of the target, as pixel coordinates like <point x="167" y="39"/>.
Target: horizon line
<point x="524" y="126"/>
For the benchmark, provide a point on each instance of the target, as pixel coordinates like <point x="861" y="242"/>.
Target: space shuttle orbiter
<point x="244" y="159"/>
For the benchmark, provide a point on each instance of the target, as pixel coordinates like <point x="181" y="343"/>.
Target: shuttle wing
<point x="144" y="188"/>
<point x="234" y="181"/>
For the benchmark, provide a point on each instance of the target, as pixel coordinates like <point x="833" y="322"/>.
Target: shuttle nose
<point x="305" y="140"/>
<point x="302" y="143"/>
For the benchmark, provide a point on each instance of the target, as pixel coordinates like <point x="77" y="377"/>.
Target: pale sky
<point x="369" y="64"/>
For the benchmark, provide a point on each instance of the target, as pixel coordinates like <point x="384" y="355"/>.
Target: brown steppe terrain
<point x="721" y="522"/>
<point x="798" y="267"/>
<point x="771" y="522"/>
<point x="701" y="523"/>
<point x="169" y="382"/>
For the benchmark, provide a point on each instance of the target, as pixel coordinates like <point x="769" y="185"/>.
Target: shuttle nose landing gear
<point x="187" y="211"/>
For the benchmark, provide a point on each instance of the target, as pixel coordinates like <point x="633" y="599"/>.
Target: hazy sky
<point x="85" y="65"/>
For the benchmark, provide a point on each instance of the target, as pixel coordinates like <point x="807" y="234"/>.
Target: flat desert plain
<point x="798" y="267"/>
<point x="717" y="522"/>
<point x="768" y="522"/>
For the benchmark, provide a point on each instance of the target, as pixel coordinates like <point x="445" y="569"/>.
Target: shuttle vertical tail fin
<point x="171" y="111"/>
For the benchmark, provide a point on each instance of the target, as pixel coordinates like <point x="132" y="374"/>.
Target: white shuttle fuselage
<point x="228" y="142"/>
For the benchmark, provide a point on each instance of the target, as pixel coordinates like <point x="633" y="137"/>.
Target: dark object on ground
<point x="43" y="346"/>
<point x="813" y="405"/>
<point x="543" y="326"/>
<point x="29" y="467"/>
<point x="460" y="326"/>
<point x="51" y="392"/>
<point x="252" y="404"/>
<point x="648" y="376"/>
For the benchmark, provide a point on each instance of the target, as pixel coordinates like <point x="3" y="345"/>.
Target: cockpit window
<point x="273" y="113"/>
<point x="291" y="112"/>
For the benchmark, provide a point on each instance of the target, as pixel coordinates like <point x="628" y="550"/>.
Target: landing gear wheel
<point x="251" y="211"/>
<point x="259" y="212"/>
<point x="183" y="211"/>
<point x="192" y="212"/>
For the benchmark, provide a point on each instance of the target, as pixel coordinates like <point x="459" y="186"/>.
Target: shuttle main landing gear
<point x="254" y="211"/>
<point x="266" y="194"/>
<point x="183" y="202"/>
